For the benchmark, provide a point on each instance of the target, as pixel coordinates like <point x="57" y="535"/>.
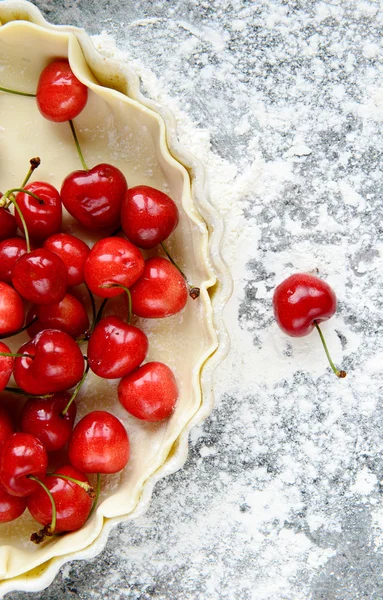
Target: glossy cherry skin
<point x="11" y="507"/>
<point x="116" y="348"/>
<point x="8" y="225"/>
<point x="148" y="216"/>
<point x="69" y="315"/>
<point x="43" y="418"/>
<point x="94" y="197"/>
<point x="161" y="291"/>
<point x="10" y="252"/>
<point x="11" y="310"/>
<point x="150" y="392"/>
<point x="6" y="366"/>
<point x="112" y="260"/>
<point x="56" y="366"/>
<point x="43" y="218"/>
<point x="60" y="95"/>
<point x="40" y="277"/>
<point x="72" y="502"/>
<point x="99" y="444"/>
<point x="299" y="301"/>
<point x="22" y="455"/>
<point x="72" y="252"/>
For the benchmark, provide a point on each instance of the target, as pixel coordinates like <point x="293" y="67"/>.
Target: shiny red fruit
<point x="94" y="197"/>
<point x="22" y="455"/>
<point x="300" y="300"/>
<point x="6" y="366"/>
<point x="72" y="502"/>
<point x="40" y="277"/>
<point x="11" y="507"/>
<point x="161" y="291"/>
<point x="56" y="366"/>
<point x="42" y="217"/>
<point x="116" y="348"/>
<point x="60" y="95"/>
<point x="68" y="315"/>
<point x="43" y="418"/>
<point x="8" y="224"/>
<point x="11" y="310"/>
<point x="10" y="252"/>
<point x="150" y="392"/>
<point x="72" y="252"/>
<point x="112" y="260"/>
<point x="148" y="216"/>
<point x="99" y="444"/>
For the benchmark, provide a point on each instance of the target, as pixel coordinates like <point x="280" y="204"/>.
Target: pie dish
<point x="122" y="127"/>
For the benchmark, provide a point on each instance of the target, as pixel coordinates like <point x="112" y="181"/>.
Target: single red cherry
<point x="22" y="455"/>
<point x="60" y="95"/>
<point x="56" y="366"/>
<point x="10" y="252"/>
<point x="94" y="197"/>
<point x="8" y="225"/>
<point x="6" y="366"/>
<point x="43" y="418"/>
<point x="161" y="290"/>
<point x="11" y="507"/>
<point x="148" y="216"/>
<point x="72" y="252"/>
<point x="116" y="348"/>
<point x="150" y="392"/>
<point x="112" y="260"/>
<point x="73" y="504"/>
<point x="43" y="216"/>
<point x="40" y="276"/>
<point x="68" y="315"/>
<point x="301" y="302"/>
<point x="99" y="444"/>
<point x="11" y="309"/>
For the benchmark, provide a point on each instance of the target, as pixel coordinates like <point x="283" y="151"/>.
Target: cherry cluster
<point x="42" y="267"/>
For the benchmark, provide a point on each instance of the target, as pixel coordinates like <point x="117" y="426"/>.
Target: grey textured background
<point x="318" y="67"/>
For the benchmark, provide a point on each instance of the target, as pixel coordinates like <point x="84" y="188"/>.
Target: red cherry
<point x="72" y="252"/>
<point x="43" y="218"/>
<point x="299" y="301"/>
<point x="112" y="260"/>
<point x="161" y="291"/>
<point x="94" y="197"/>
<point x="116" y="348"/>
<point x="6" y="425"/>
<point x="68" y="315"/>
<point x="11" y="309"/>
<point x="73" y="503"/>
<point x="150" y="392"/>
<point x="11" y="507"/>
<point x="57" y="363"/>
<point x="6" y="366"/>
<point x="40" y="276"/>
<point x="148" y="216"/>
<point x="10" y="252"/>
<point x="99" y="444"/>
<point x="22" y="455"/>
<point x="8" y="224"/>
<point x="60" y="95"/>
<point x="43" y="418"/>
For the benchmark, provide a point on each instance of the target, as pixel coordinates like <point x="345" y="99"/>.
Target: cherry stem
<point x="85" y="167"/>
<point x="48" y="530"/>
<point x="20" y="392"/>
<point x="8" y="91"/>
<point x="83" y="484"/>
<point x="9" y="196"/>
<point x="127" y="290"/>
<point x="98" y="487"/>
<point x="16" y="355"/>
<point x="194" y="292"/>
<point x="93" y="309"/>
<point x="8" y="335"/>
<point x="34" y="162"/>
<point x="77" y="389"/>
<point x="100" y="310"/>
<point x="340" y="374"/>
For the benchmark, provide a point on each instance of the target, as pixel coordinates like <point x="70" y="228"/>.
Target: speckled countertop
<point x="281" y="496"/>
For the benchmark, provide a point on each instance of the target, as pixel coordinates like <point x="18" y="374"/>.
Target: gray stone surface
<point x="280" y="498"/>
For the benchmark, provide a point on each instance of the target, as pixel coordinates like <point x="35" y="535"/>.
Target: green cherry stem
<point x="34" y="162"/>
<point x="8" y="91"/>
<point x="83" y="484"/>
<point x="20" y="392"/>
<point x="16" y="355"/>
<point x="98" y="487"/>
<point x="80" y="154"/>
<point x="77" y="389"/>
<point x="8" y="335"/>
<point x="48" y="530"/>
<point x="8" y="196"/>
<point x="194" y="292"/>
<point x="94" y="315"/>
<point x="341" y="374"/>
<point x="127" y="290"/>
